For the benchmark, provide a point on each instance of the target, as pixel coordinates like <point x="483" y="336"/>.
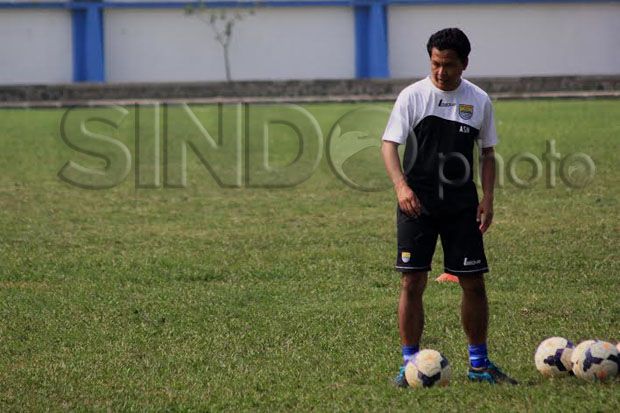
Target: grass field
<point x="211" y="298"/>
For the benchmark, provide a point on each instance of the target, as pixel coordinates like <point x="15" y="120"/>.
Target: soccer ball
<point x="618" y="348"/>
<point x="553" y="357"/>
<point x="578" y="354"/>
<point x="599" y="362"/>
<point x="428" y="368"/>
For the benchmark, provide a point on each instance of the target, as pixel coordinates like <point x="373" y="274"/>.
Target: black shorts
<point x="461" y="240"/>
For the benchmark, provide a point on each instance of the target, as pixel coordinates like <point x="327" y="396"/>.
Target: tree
<point x="222" y="23"/>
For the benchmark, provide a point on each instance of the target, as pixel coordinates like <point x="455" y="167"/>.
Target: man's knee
<point x="414" y="283"/>
<point x="473" y="285"/>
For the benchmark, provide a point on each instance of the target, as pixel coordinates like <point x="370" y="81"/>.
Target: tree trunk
<point x="227" y="63"/>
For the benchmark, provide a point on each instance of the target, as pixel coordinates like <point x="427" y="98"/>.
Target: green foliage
<point x="206" y="298"/>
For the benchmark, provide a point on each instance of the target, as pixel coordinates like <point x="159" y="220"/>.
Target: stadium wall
<point x="512" y="39"/>
<point x="275" y="43"/>
<point x="35" y="46"/>
<point x="119" y="41"/>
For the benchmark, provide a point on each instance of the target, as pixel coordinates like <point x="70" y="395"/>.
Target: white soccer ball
<point x="553" y="357"/>
<point x="428" y="368"/>
<point x="578" y="353"/>
<point x="599" y="362"/>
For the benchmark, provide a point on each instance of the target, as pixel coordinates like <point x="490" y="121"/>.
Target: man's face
<point x="446" y="69"/>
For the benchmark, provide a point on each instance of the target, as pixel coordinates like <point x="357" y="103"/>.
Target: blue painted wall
<point x="88" y="55"/>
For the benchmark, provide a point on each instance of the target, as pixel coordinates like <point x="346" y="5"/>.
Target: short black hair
<point x="451" y="38"/>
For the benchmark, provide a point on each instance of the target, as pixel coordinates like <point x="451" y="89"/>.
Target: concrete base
<point x="351" y="90"/>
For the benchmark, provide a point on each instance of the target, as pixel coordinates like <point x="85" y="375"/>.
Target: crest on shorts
<point x="405" y="256"/>
<point x="466" y="111"/>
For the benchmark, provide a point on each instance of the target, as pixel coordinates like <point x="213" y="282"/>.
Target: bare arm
<point x="485" y="209"/>
<point x="407" y="200"/>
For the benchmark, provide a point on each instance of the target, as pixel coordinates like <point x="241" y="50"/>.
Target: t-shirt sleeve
<point x="488" y="134"/>
<point x="399" y="123"/>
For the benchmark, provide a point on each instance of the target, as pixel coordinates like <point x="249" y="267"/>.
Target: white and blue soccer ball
<point x="598" y="362"/>
<point x="553" y="357"/>
<point x="428" y="368"/>
<point x="578" y="354"/>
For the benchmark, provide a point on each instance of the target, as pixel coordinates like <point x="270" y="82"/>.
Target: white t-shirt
<point x="439" y="129"/>
<point x="467" y="104"/>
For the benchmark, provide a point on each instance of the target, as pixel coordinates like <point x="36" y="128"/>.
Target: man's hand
<point x="485" y="213"/>
<point x="407" y="199"/>
<point x="408" y="202"/>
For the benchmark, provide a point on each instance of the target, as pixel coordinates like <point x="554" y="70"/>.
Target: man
<point x="440" y="118"/>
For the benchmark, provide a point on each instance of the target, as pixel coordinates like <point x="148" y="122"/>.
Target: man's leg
<point x="417" y="238"/>
<point x="411" y="308"/>
<point x="410" y="318"/>
<point x="474" y="309"/>
<point x="475" y="319"/>
<point x="464" y="257"/>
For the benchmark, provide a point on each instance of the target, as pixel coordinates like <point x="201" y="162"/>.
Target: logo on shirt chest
<point x="466" y="111"/>
<point x="464" y="129"/>
<point x="443" y="104"/>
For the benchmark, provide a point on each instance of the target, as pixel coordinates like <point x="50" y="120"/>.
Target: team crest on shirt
<point x="405" y="256"/>
<point x="466" y="111"/>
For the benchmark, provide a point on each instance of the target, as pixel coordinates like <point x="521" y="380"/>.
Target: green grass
<point x="249" y="298"/>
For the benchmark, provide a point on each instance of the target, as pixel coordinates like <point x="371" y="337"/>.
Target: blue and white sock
<point x="409" y="352"/>
<point x="478" y="355"/>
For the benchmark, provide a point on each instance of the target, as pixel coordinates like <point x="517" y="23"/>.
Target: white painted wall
<point x="35" y="46"/>
<point x="305" y="43"/>
<point x="512" y="40"/>
<point x="275" y="43"/>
